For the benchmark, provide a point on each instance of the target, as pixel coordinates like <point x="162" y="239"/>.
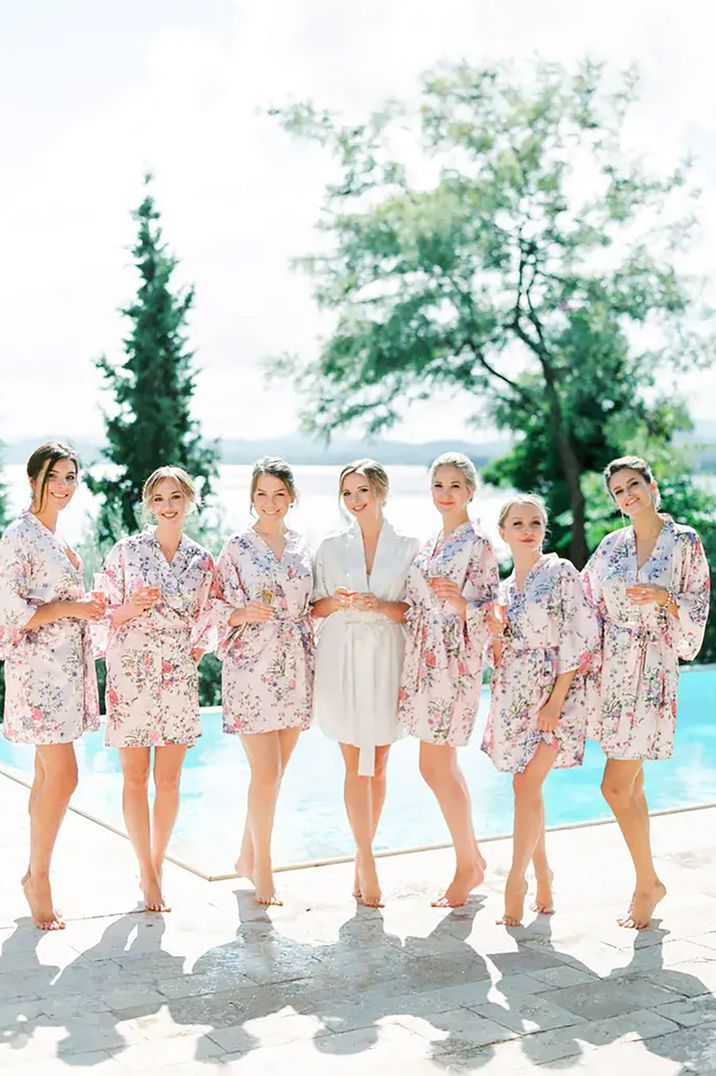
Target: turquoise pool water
<point x="311" y="821"/>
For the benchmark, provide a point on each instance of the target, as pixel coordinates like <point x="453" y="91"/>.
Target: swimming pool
<point x="311" y="821"/>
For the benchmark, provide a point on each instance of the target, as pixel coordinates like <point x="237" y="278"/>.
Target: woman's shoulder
<point x="19" y="528"/>
<point x="408" y="542"/>
<point x="685" y="533"/>
<point x="611" y="541"/>
<point x="334" y="539"/>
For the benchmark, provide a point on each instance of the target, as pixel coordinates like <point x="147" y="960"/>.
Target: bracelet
<point x="670" y="597"/>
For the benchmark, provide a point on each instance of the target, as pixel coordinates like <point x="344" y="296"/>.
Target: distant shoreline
<point x="304" y="451"/>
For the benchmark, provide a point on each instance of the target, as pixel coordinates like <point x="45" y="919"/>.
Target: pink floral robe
<point x="551" y="630"/>
<point x="267" y="677"/>
<point x="442" y="671"/>
<point x="635" y="712"/>
<point x="152" y="680"/>
<point x="50" y="682"/>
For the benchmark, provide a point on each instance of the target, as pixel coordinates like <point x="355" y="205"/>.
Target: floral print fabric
<point x="268" y="668"/>
<point x="50" y="682"/>
<point x="635" y="709"/>
<point x="551" y="629"/>
<point x="442" y="672"/>
<point x="152" y="680"/>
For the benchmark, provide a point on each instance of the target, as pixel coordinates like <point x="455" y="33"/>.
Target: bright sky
<point x="91" y="94"/>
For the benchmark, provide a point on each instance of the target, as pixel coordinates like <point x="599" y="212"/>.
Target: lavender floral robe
<point x="442" y="672"/>
<point x="50" y="682"/>
<point x="267" y="676"/>
<point x="152" y="680"/>
<point x="635" y="714"/>
<point x="551" y="630"/>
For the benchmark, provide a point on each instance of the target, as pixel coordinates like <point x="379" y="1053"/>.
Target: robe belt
<point x="650" y="642"/>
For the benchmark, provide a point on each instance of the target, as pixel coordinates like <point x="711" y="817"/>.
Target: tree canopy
<point x="151" y="424"/>
<point x="502" y="241"/>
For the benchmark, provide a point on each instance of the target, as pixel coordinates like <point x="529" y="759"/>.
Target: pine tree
<point x="153" y="387"/>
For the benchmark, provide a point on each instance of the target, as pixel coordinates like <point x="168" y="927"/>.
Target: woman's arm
<point x="51" y="612"/>
<point x="551" y="712"/>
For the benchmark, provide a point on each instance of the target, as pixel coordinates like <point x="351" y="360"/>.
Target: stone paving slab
<point x="321" y="986"/>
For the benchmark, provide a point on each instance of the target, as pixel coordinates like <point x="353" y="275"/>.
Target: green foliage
<point x="153" y="388"/>
<point x="502" y="242"/>
<point x="4" y="520"/>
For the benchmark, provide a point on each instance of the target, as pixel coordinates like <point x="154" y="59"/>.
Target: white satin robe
<point x="359" y="654"/>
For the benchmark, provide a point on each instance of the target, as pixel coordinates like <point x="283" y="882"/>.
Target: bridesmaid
<point x="649" y="582"/>
<point x="544" y="636"/>
<point x="158" y="585"/>
<point x="266" y="643"/>
<point x="451" y="585"/>
<point x="50" y="683"/>
<point x="359" y="586"/>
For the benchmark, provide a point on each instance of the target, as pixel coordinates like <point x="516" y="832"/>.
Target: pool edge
<point x="337" y="860"/>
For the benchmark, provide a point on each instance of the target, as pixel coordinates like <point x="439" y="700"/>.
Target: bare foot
<point x="515" y="893"/>
<point x="544" y="902"/>
<point x="368" y="885"/>
<point x="39" y="896"/>
<point x="152" y="893"/>
<point x="461" y="887"/>
<point x="265" y="890"/>
<point x="642" y="907"/>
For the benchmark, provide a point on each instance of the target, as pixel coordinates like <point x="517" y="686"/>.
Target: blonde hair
<point x="523" y="498"/>
<point x="276" y="467"/>
<point x="461" y="462"/>
<point x="182" y="479"/>
<point x="374" y="473"/>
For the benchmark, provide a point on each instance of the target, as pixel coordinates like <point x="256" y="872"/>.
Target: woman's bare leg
<point x="168" y="762"/>
<point x="244" y="865"/>
<point x="623" y="789"/>
<point x="55" y="781"/>
<point x="439" y="768"/>
<point x="528" y="826"/>
<point x="544" y="902"/>
<point x="38" y="778"/>
<point x="135" y="763"/>
<point x="358" y="798"/>
<point x="378" y="786"/>
<point x="265" y="752"/>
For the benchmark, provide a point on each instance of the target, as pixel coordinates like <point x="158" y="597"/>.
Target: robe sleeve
<point x="691" y="590"/>
<point x="230" y="594"/>
<point x="320" y="585"/>
<point x="16" y="608"/>
<point x="579" y="634"/>
<point x="204" y="635"/>
<point x="480" y="589"/>
<point x="112" y="581"/>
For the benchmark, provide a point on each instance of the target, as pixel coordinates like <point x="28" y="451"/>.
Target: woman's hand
<point x="253" y="613"/>
<point x="548" y="717"/>
<point x="496" y="619"/>
<point x="87" y="609"/>
<point x="141" y="599"/>
<point x="448" y="591"/>
<point x="646" y="595"/>
<point x="197" y="654"/>
<point x="342" y="597"/>
<point x="366" y="603"/>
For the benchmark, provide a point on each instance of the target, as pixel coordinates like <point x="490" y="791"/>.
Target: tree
<point x="516" y="253"/>
<point x="153" y="388"/>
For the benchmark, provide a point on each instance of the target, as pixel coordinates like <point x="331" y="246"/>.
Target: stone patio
<point x="320" y="986"/>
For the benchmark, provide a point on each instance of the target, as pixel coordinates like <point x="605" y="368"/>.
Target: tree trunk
<point x="578" y="550"/>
